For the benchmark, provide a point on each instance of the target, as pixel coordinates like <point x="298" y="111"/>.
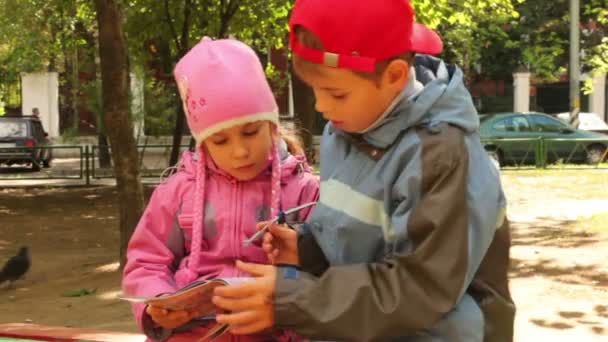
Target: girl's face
<point x="242" y="151"/>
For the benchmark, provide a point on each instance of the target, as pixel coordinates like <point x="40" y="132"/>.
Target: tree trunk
<point x="66" y="96"/>
<point x="117" y="119"/>
<point x="75" y="88"/>
<point x="304" y="106"/>
<point x="182" y="44"/>
<point x="103" y="151"/>
<point x="103" y="147"/>
<point x="75" y="76"/>
<point x="180" y="120"/>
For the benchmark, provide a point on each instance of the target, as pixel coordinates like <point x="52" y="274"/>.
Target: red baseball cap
<point x="357" y="34"/>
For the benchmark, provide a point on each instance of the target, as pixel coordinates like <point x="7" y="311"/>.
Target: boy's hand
<point x="250" y="304"/>
<point x="280" y="244"/>
<point x="169" y="319"/>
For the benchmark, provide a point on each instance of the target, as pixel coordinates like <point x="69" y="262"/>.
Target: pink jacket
<point x="159" y="248"/>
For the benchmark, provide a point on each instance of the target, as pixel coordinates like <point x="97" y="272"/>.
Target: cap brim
<point x="425" y="40"/>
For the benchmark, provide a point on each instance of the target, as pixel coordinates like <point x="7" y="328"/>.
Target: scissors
<point x="280" y="219"/>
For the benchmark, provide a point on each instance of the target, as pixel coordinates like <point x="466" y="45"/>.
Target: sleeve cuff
<point x="312" y="258"/>
<point x="290" y="284"/>
<point x="154" y="331"/>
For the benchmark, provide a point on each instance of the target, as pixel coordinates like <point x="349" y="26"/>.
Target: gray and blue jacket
<point x="409" y="241"/>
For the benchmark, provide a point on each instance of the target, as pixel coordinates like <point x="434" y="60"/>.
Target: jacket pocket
<point x="186" y="224"/>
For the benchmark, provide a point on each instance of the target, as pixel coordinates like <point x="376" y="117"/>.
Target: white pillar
<point x="41" y="90"/>
<point x="137" y="105"/>
<point x="597" y="99"/>
<point x="521" y="92"/>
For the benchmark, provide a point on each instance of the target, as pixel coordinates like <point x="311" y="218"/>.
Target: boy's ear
<point x="396" y="74"/>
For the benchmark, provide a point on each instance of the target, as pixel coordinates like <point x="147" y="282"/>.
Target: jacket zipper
<point x="239" y="220"/>
<point x="236" y="236"/>
<point x="233" y="220"/>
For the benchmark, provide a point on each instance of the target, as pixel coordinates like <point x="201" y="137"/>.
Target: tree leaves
<point x="494" y="37"/>
<point x="38" y="33"/>
<point x="468" y="28"/>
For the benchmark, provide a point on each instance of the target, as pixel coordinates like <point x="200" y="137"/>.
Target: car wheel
<point x="596" y="154"/>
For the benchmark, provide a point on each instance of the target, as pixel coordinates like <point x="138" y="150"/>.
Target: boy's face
<point x="351" y="102"/>
<point x="242" y="151"/>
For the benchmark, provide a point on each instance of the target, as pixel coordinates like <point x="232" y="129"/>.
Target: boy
<point x="409" y="240"/>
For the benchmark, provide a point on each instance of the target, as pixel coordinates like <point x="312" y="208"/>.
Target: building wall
<point x="41" y="90"/>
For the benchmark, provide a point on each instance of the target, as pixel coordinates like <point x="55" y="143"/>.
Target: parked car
<point x="587" y="122"/>
<point x="20" y="140"/>
<point x="526" y="126"/>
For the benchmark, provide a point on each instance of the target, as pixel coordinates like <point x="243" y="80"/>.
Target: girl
<point x="242" y="172"/>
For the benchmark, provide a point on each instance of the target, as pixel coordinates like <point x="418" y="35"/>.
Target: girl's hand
<point x="280" y="244"/>
<point x="169" y="319"/>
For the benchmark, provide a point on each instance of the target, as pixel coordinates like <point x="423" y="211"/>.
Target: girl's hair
<point x="292" y="139"/>
<point x="310" y="40"/>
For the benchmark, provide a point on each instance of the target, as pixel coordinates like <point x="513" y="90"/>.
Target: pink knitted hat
<point x="222" y="84"/>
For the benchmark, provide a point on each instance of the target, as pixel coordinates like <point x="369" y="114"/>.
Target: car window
<point x="545" y="124"/>
<point x="504" y="125"/>
<point x="13" y="129"/>
<point x="521" y="124"/>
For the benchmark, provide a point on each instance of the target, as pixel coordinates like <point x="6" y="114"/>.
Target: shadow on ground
<point x="548" y="236"/>
<point x="570" y="319"/>
<point x="550" y="232"/>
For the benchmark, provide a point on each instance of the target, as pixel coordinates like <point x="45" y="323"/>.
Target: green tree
<point x="48" y="35"/>
<point x="595" y="33"/>
<point x="539" y="40"/>
<point x="543" y="33"/>
<point x="468" y="28"/>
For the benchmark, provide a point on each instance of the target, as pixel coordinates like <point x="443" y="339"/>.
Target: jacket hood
<point x="444" y="99"/>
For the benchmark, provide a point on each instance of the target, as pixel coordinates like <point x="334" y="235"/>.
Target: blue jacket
<point x="407" y="214"/>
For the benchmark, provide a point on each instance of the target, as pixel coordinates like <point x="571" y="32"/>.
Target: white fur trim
<point x="209" y="131"/>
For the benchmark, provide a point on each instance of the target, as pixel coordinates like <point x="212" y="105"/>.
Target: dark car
<point x="20" y="141"/>
<point x="510" y="139"/>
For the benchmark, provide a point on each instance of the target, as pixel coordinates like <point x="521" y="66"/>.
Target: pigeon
<point x="15" y="267"/>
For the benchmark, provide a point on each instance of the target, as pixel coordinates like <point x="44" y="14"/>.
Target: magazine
<point x="198" y="296"/>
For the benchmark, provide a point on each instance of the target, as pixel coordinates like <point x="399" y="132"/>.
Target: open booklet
<point x="196" y="296"/>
